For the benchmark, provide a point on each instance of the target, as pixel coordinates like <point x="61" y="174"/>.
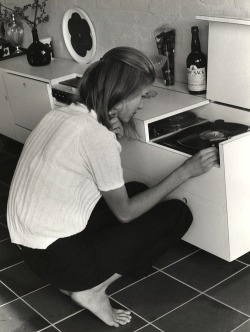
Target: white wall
<point x="131" y="23"/>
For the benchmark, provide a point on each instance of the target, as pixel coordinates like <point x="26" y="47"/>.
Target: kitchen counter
<point x="57" y="68"/>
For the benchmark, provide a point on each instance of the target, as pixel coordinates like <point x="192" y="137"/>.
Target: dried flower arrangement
<point x="39" y="8"/>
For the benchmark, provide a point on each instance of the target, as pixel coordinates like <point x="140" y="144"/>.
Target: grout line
<point x="48" y="328"/>
<point x="231" y="276"/>
<point x="21" y="299"/>
<point x="36" y="311"/>
<point x="143" y="327"/>
<point x="75" y="313"/>
<point x="242" y="262"/>
<point x="133" y="283"/>
<point x="182" y="282"/>
<point x="4" y="240"/>
<point x="157" y="270"/>
<point x="179" y="260"/>
<point x="181" y="305"/>
<point x="227" y="305"/>
<point x="8" y="267"/>
<point x="38" y="289"/>
<point x="4" y="226"/>
<point x="6" y="185"/>
<point x="235" y="330"/>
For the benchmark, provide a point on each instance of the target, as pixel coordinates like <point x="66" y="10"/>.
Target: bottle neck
<point x="195" y="44"/>
<point x="35" y="35"/>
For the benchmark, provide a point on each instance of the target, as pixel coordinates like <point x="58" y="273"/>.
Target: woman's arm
<point x="126" y="209"/>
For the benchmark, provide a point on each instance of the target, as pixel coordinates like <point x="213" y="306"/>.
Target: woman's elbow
<point x="123" y="218"/>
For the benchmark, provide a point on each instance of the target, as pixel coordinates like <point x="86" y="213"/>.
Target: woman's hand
<point x="116" y="125"/>
<point x="201" y="162"/>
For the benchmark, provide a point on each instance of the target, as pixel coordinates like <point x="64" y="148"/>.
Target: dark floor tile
<point x="125" y="281"/>
<point x="86" y="321"/>
<point x="3" y="220"/>
<point x="7" y="169"/>
<point x="51" y="329"/>
<point x="21" y="279"/>
<point x="201" y="314"/>
<point x="52" y="304"/>
<point x="10" y="146"/>
<point x="4" y="156"/>
<point x="5" y="295"/>
<point x="235" y="291"/>
<point x="245" y="258"/>
<point x="4" y="189"/>
<point x="3" y="204"/>
<point x="9" y="254"/>
<point x="4" y="233"/>
<point x="149" y="328"/>
<point x="244" y="328"/>
<point x="154" y="296"/>
<point x="181" y="250"/>
<point x="17" y="316"/>
<point x="203" y="270"/>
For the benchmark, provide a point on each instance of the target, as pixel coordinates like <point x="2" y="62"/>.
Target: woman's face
<point x="128" y="108"/>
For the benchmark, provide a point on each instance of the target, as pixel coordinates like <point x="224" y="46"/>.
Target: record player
<point x="191" y="137"/>
<point x="174" y="125"/>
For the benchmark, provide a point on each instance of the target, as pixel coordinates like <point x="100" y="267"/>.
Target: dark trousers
<point x="106" y="246"/>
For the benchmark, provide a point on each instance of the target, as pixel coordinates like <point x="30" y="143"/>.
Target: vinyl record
<point x="194" y="141"/>
<point x="79" y="35"/>
<point x="210" y="134"/>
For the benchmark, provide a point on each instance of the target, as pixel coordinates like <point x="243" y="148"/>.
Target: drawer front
<point x="156" y="162"/>
<point x="209" y="230"/>
<point x="30" y="102"/>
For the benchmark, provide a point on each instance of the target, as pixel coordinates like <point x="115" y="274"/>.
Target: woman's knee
<point x="185" y="216"/>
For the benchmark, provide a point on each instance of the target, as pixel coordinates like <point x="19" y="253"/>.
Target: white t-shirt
<point x="66" y="161"/>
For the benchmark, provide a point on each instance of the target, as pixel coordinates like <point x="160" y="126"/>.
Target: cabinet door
<point x="236" y="160"/>
<point x="209" y="230"/>
<point x="29" y="100"/>
<point x="7" y="124"/>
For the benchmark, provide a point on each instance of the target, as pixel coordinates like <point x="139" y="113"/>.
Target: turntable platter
<point x="210" y="135"/>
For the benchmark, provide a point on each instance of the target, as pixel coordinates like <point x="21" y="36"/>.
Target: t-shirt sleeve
<point x="102" y="153"/>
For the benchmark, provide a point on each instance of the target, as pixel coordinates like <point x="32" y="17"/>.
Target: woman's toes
<point x="119" y="311"/>
<point x="122" y="321"/>
<point x="123" y="318"/>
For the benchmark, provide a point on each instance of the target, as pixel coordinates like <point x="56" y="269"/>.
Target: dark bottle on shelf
<point x="196" y="66"/>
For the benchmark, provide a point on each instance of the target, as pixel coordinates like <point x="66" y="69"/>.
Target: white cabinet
<point x="29" y="100"/>
<point x="6" y="117"/>
<point x="219" y="199"/>
<point x="25" y="92"/>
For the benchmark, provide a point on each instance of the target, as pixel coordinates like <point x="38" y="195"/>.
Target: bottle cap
<point x="194" y="29"/>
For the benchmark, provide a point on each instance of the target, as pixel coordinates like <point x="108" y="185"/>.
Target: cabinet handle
<point x="24" y="84"/>
<point x="6" y="98"/>
<point x="184" y="200"/>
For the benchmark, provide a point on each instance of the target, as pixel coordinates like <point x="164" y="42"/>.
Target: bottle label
<point x="196" y="78"/>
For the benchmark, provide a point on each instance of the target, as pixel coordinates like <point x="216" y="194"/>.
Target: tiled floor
<point x="187" y="290"/>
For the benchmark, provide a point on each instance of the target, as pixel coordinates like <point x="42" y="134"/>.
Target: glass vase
<point x="38" y="54"/>
<point x="14" y="33"/>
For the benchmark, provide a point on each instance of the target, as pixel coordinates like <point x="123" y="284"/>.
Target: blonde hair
<point x="120" y="74"/>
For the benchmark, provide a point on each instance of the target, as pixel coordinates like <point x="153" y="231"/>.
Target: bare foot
<point x="98" y="303"/>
